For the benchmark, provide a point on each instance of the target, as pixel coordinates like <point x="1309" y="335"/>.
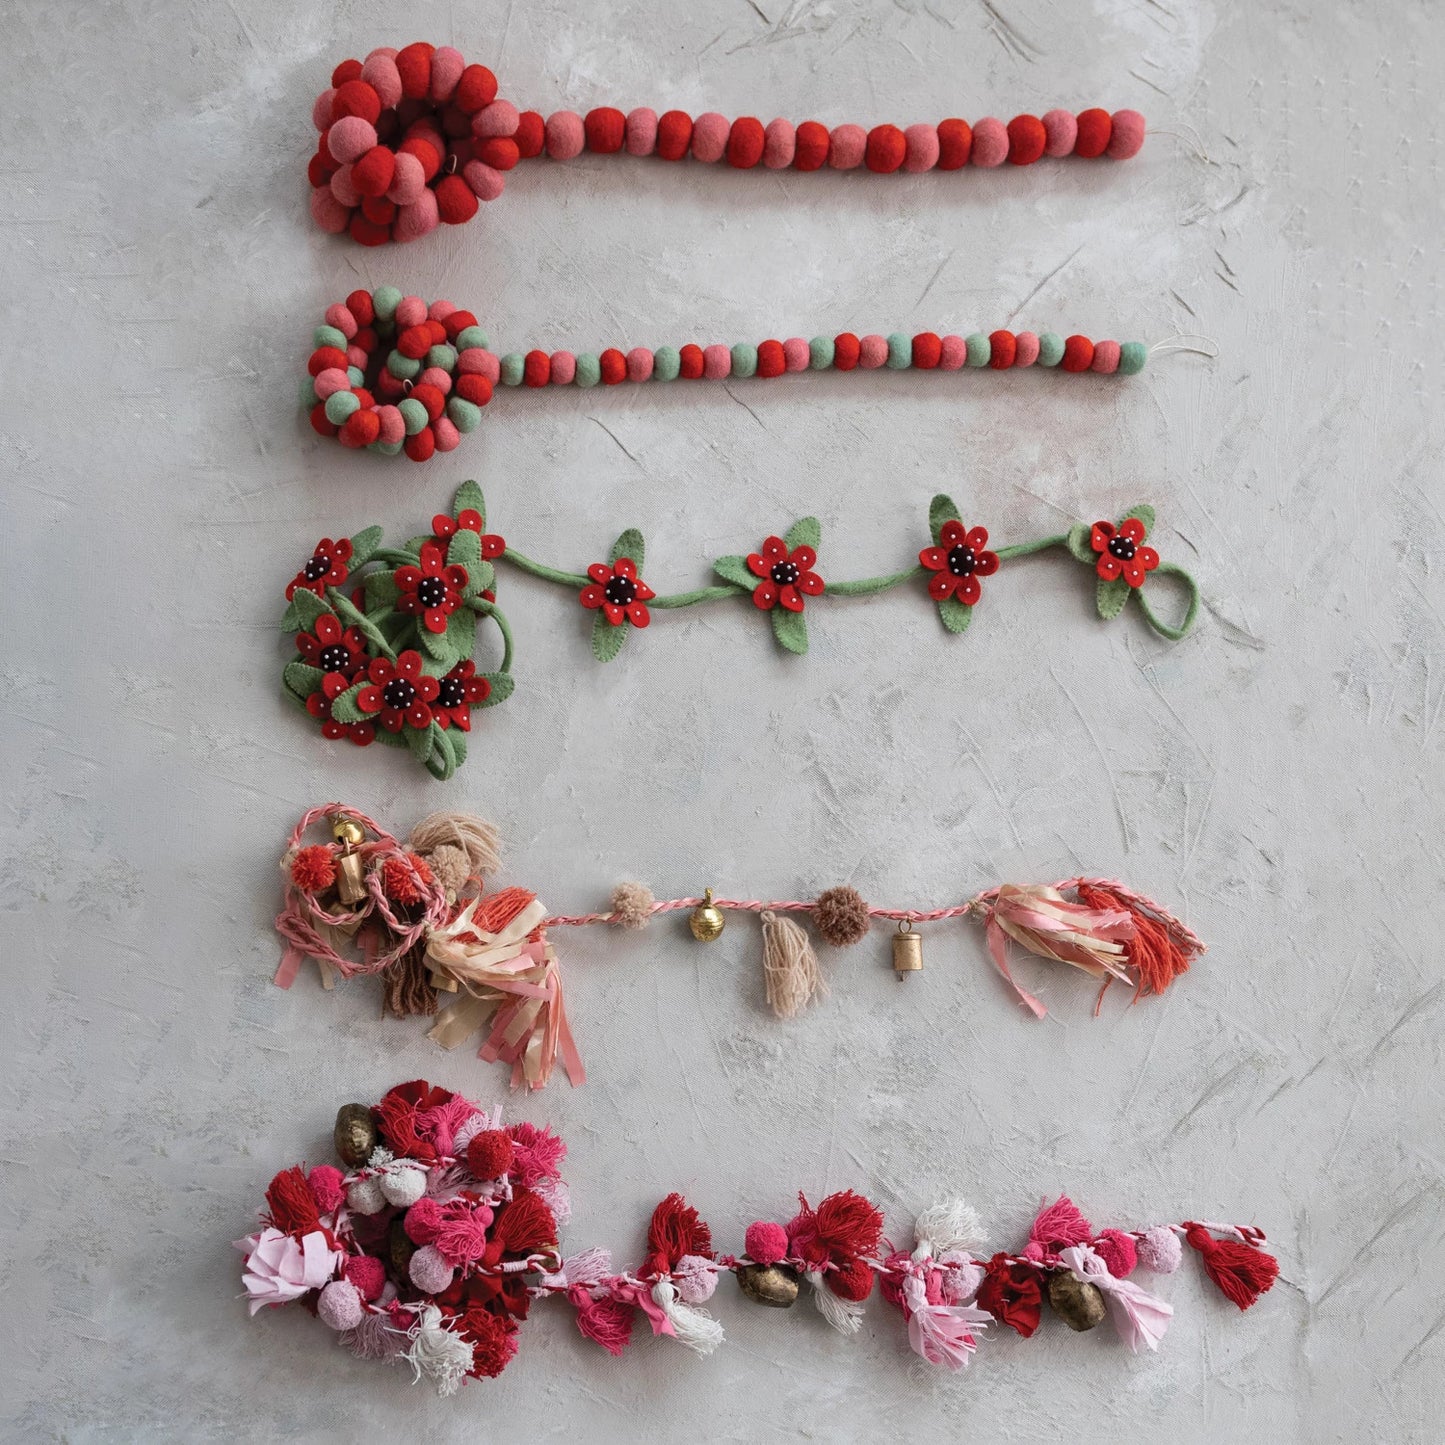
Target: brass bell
<point x="1077" y="1302"/>
<point x="355" y="1134"/>
<point x="350" y="881"/>
<point x="775" y="1285"/>
<point x="907" y="950"/>
<point x="399" y="1248"/>
<point x="706" y="920"/>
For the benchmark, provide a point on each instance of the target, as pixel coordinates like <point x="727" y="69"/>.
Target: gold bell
<point x="706" y="920"/>
<point x="907" y="950"/>
<point x="1078" y="1303"/>
<point x="350" y="881"/>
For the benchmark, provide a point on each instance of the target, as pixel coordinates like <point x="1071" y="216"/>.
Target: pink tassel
<point x="1057" y="1226"/>
<point x="607" y="1321"/>
<point x="941" y="1334"/>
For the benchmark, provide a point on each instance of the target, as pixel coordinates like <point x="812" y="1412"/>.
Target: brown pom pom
<point x="841" y="916"/>
<point x="451" y="867"/>
<point x="632" y="905"/>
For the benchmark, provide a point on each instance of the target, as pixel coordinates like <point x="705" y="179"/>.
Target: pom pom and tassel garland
<point x="443" y="1279"/>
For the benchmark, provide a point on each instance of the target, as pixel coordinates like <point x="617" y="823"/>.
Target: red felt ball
<point x="388" y="128"/>
<point x="490" y="1154"/>
<point x="425" y="152"/>
<point x="456" y="322"/>
<point x="356" y="97"/>
<point x="771" y="360"/>
<point x="430" y="397"/>
<point x="614" y="366"/>
<point x="456" y="202"/>
<point x="852" y="1280"/>
<point x="319" y="170"/>
<point x="473" y="388"/>
<point x="1026" y="140"/>
<point x="359" y="304"/>
<point x="321" y="423"/>
<point x="536" y="369"/>
<point x="745" y="143"/>
<point x="324" y="358"/>
<point x="455" y="122"/>
<point x="955" y="142"/>
<point x="690" y="362"/>
<point x="605" y="128"/>
<point x="1078" y="354"/>
<point x="674" y="135"/>
<point x="476" y="88"/>
<point x="1095" y="128"/>
<point x="413" y="64"/>
<point x="365" y="339"/>
<point x="810" y="148"/>
<point x="530" y="135"/>
<point x="347" y="70"/>
<point x="846" y="347"/>
<point x="500" y="152"/>
<point x="887" y="147"/>
<point x="1002" y="348"/>
<point x="927" y="348"/>
<point x="421" y="446"/>
<point x="414" y="342"/>
<point x="363" y="396"/>
<point x="372" y="174"/>
<point x="378" y="209"/>
<point x="435" y="330"/>
<point x="360" y="429"/>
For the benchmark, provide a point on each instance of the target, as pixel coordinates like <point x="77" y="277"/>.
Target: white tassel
<point x="948" y="1226"/>
<point x="438" y="1352"/>
<point x="694" y="1328"/>
<point x="846" y="1316"/>
<point x="790" y="967"/>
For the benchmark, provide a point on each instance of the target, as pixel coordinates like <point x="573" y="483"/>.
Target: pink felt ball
<point x="418" y="219"/>
<point x="780" y="144"/>
<point x="872" y="352"/>
<point x="500" y="118"/>
<point x="797" y="356"/>
<point x="381" y="74"/>
<point x="330" y="381"/>
<point x="338" y="314"/>
<point x="952" y="353"/>
<point x="408" y="180"/>
<point x="344" y="188"/>
<point x="447" y="65"/>
<point x="429" y="1270"/>
<point x="340" y="1305"/>
<point x="357" y="357"/>
<point x="328" y="212"/>
<point x="448" y="438"/>
<point x="1026" y="348"/>
<point x="990" y="143"/>
<point x="710" y="133"/>
<point x="639" y="364"/>
<point x="440" y="310"/>
<point x="1060" y="131"/>
<point x="847" y="145"/>
<point x="410" y="311"/>
<point x="564" y="368"/>
<point x="367" y="1274"/>
<point x="922" y="148"/>
<point x="321" y="111"/>
<point x="717" y="362"/>
<point x="476" y="361"/>
<point x="350" y="139"/>
<point x="327" y="1187"/>
<point x="566" y="135"/>
<point x="437" y="377"/>
<point x="1106" y="358"/>
<point x="486" y="183"/>
<point x="641" y="132"/>
<point x="1127" y="137"/>
<point x="766" y="1242"/>
<point x="393" y="426"/>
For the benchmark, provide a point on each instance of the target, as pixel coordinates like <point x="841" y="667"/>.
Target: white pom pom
<point x="403" y="1183"/>
<point x="695" y="1279"/>
<point x="429" y="1270"/>
<point x="340" y="1305"/>
<point x="951" y="1224"/>
<point x="365" y="1196"/>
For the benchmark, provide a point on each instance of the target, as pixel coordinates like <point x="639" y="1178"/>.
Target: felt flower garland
<point x="390" y="659"/>
<point x="417" y="914"/>
<point x="441" y="1230"/>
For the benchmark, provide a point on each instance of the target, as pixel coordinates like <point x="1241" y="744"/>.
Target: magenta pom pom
<point x="367" y="1274"/>
<point x="766" y="1242"/>
<point x="328" y="1186"/>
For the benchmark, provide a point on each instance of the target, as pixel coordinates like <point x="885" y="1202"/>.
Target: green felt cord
<point x="867" y="586"/>
<point x="547" y="574"/>
<point x="1191" y="613"/>
<point x="353" y="616"/>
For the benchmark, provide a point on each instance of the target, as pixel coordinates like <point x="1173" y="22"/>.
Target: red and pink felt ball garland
<point x="414" y="138"/>
<point x="431" y="1244"/>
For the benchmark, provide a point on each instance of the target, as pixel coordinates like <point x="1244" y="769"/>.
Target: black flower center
<point x="961" y="561"/>
<point x="451" y="692"/>
<point x="1121" y="547"/>
<point x="336" y="658"/>
<point x="431" y="591"/>
<point x="785" y="573"/>
<point x="620" y="591"/>
<point x="398" y="694"/>
<point x="317" y="567"/>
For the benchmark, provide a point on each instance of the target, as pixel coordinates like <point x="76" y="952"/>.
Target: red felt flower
<point x="457" y="694"/>
<point x="400" y="691"/>
<point x="619" y="592"/>
<point x="319" y="706"/>
<point x="432" y="590"/>
<point x="331" y="648"/>
<point x="787" y="576"/>
<point x="1011" y="1294"/>
<point x="958" y="562"/>
<point x="327" y="568"/>
<point x="1122" y="552"/>
<point x="469" y="520"/>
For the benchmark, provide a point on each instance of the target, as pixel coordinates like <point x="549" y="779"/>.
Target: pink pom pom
<point x="1127" y="137"/>
<point x="429" y="1272"/>
<point x="1106" y="357"/>
<point x="321" y="111"/>
<point x="408" y="180"/>
<point x="344" y="188"/>
<point x="447" y="65"/>
<point x="921" y="153"/>
<point x="1060" y="131"/>
<point x="367" y="1274"/>
<point x="500" y="118"/>
<point x="639" y="364"/>
<point x="381" y="74"/>
<point x="1118" y="1251"/>
<point x="872" y="352"/>
<point x="990" y="143"/>
<point x="641" y="132"/>
<point x="357" y="357"/>
<point x="350" y="139"/>
<point x="717" y="362"/>
<point x="418" y="219"/>
<point x="477" y="362"/>
<point x="327" y="1186"/>
<point x="410" y="311"/>
<point x="695" y="1279"/>
<point x="330" y="381"/>
<point x="847" y="145"/>
<point x="780" y="144"/>
<point x="437" y="377"/>
<point x="710" y="137"/>
<point x="486" y="183"/>
<point x="448" y="438"/>
<point x="766" y="1242"/>
<point x="423" y="1220"/>
<point x="1159" y="1250"/>
<point x="393" y="426"/>
<point x="796" y="354"/>
<point x="1026" y="348"/>
<point x="566" y="135"/>
<point x="440" y="310"/>
<point x="340" y="1306"/>
<point x="952" y="353"/>
<point x="328" y="212"/>
<point x="564" y="368"/>
<point x="339" y="316"/>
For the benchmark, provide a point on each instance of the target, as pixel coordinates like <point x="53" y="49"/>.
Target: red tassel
<point x="1162" y="947"/>
<point x="1242" y="1271"/>
<point x="291" y="1202"/>
<point x="525" y="1225"/>
<point x="607" y="1321"/>
<point x="677" y="1230"/>
<point x="842" y="1228"/>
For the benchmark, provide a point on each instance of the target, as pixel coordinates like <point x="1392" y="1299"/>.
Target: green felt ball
<point x="666" y="363"/>
<point x="900" y="351"/>
<point x="1051" y="349"/>
<point x="471" y="336"/>
<point x="745" y="359"/>
<point x="589" y="369"/>
<point x="384" y="301"/>
<point x="514" y="364"/>
<point x="465" y="416"/>
<point x="413" y="414"/>
<point x="340" y="405"/>
<point x="329" y="336"/>
<point x="1132" y="356"/>
<point x="308" y="393"/>
<point x="820" y="353"/>
<point x="443" y="356"/>
<point x="979" y="349"/>
<point x="403" y="368"/>
<point x="387" y="449"/>
<point x="355" y="375"/>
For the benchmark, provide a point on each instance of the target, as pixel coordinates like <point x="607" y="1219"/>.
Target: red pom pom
<point x="328" y="1187"/>
<point x="368" y="233"/>
<point x="400" y="883"/>
<point x="690" y="362"/>
<point x="430" y="397"/>
<point x="955" y="141"/>
<point x="473" y="388"/>
<point x="1002" y="348"/>
<point x="378" y="210"/>
<point x="614" y="366"/>
<point x="423" y="1221"/>
<point x="364" y="397"/>
<point x="356" y="97"/>
<point x="359" y="304"/>
<point x="765" y="1242"/>
<point x="845" y="351"/>
<point x="325" y="358"/>
<point x="771" y="361"/>
<point x="414" y="65"/>
<point x="1026" y="139"/>
<point x="605" y="129"/>
<point x="360" y="429"/>
<point x="319" y="170"/>
<point x="425" y="152"/>
<point x="1078" y="354"/>
<point x="414" y="342"/>
<point x="490" y="1154"/>
<point x="372" y="174"/>
<point x="291" y="1203"/>
<point x="886" y="150"/>
<point x="476" y="88"/>
<point x="456" y="323"/>
<point x="927" y="348"/>
<point x="674" y="135"/>
<point x="421" y="446"/>
<point x="536" y="369"/>
<point x="456" y="201"/>
<point x="348" y="70"/>
<point x="1095" y="128"/>
<point x="367" y="1274"/>
<point x="1118" y="1251"/>
<point x="745" y="143"/>
<point x="852" y="1280"/>
<point x="501" y="153"/>
<point x="435" y="330"/>
<point x="531" y="134"/>
<point x="322" y="424"/>
<point x="810" y="146"/>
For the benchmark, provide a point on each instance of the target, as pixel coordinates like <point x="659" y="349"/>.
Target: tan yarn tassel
<point x="446" y="839"/>
<point x="790" y="967"/>
<point x="407" y="987"/>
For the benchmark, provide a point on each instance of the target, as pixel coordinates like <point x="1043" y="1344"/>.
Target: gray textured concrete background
<point x="1277" y="776"/>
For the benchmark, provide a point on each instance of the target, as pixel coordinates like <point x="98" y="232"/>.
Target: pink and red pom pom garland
<point x="417" y="914"/>
<point x="394" y="374"/>
<point x="431" y="1244"/>
<point x="384" y="635"/>
<point x="414" y="138"/>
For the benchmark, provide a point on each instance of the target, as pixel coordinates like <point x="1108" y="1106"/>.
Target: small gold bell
<point x="775" y="1285"/>
<point x="706" y="920"/>
<point x="350" y="881"/>
<point x="907" y="950"/>
<point x="355" y="1134"/>
<point x="1077" y="1302"/>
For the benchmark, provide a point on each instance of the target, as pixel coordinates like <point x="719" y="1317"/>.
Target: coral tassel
<point x="790" y="967"/>
<point x="1162" y="947"/>
<point x="1243" y="1272"/>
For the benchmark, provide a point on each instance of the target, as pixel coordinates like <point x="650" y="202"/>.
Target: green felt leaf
<point x="302" y="679"/>
<point x="291" y="618"/>
<point x="480" y="578"/>
<point x="419" y="740"/>
<point x="955" y="615"/>
<point x="1145" y="514"/>
<point x="503" y="685"/>
<point x="465" y="550"/>
<point x="458" y="740"/>
<point x="1111" y="597"/>
<point x="1079" y="544"/>
<point x="308" y="608"/>
<point x="392" y="740"/>
<point x="381" y="590"/>
<point x="607" y="639"/>
<point x="940" y="510"/>
<point x="735" y="570"/>
<point x="469" y="498"/>
<point x="415" y="544"/>
<point x="442" y="762"/>
<point x="363" y="544"/>
<point x="789" y="627"/>
<point x="448" y="648"/>
<point x="805" y="532"/>
<point x="344" y="708"/>
<point x="630" y="544"/>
